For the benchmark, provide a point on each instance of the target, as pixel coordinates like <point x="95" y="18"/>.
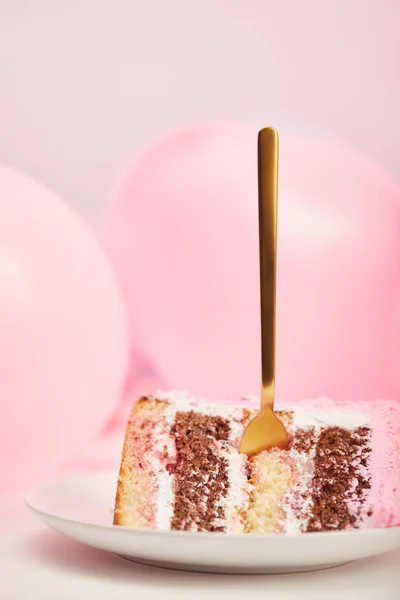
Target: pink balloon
<point x="181" y="228"/>
<point x="63" y="346"/>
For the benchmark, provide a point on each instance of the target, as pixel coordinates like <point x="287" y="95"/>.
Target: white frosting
<point x="305" y="419"/>
<point x="318" y="413"/>
<point x="238" y="492"/>
<point x="165" y="500"/>
<point x="296" y="519"/>
<point x="165" y="496"/>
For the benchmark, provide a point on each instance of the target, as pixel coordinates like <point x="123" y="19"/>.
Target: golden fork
<point x="266" y="430"/>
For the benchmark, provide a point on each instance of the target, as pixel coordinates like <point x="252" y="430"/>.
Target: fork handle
<point x="267" y="217"/>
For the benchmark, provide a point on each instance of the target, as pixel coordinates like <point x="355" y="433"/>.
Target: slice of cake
<point x="181" y="468"/>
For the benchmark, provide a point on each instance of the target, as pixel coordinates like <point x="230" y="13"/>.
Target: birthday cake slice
<point x="181" y="469"/>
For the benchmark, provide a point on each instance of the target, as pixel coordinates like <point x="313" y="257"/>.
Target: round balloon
<point x="63" y="334"/>
<point x="182" y="231"/>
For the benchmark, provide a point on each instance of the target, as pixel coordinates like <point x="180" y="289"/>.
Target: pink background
<point x="85" y="83"/>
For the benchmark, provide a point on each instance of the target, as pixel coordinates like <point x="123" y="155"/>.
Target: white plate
<point x="81" y="507"/>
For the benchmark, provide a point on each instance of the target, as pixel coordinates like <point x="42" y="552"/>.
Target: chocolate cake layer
<point x="201" y="474"/>
<point x="338" y="482"/>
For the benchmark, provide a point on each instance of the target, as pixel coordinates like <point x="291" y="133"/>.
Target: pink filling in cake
<point x="181" y="468"/>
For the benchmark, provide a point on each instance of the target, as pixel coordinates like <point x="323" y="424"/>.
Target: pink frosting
<point x="385" y="463"/>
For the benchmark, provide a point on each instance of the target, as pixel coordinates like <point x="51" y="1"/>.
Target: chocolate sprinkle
<point x="201" y="473"/>
<point x="304" y="440"/>
<point x="337" y="478"/>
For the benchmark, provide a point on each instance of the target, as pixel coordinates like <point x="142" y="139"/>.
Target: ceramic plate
<point x="81" y="507"/>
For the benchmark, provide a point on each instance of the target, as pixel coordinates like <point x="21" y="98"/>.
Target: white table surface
<point x="37" y="563"/>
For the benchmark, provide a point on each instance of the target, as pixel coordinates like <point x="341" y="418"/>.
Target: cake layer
<point x="181" y="468"/>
